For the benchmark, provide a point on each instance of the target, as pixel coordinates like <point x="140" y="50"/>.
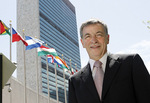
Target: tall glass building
<point x="58" y="29"/>
<point x="53" y="21"/>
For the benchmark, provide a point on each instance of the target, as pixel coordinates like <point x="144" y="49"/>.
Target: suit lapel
<point x="112" y="66"/>
<point x="86" y="76"/>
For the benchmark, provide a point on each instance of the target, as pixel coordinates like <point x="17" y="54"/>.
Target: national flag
<point x="32" y="43"/>
<point x="76" y="70"/>
<point x="38" y="40"/>
<point x="42" y="50"/>
<point x="64" y="65"/>
<point x="72" y="71"/>
<point x="50" y="58"/>
<point x="17" y="37"/>
<point x="69" y="71"/>
<point x="58" y="62"/>
<point x="3" y="29"/>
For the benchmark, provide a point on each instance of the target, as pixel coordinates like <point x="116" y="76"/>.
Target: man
<point x="122" y="78"/>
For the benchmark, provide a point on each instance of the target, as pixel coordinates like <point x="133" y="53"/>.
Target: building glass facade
<point x="58" y="29"/>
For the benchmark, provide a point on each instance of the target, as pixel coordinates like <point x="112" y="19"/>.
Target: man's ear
<point x="82" y="42"/>
<point x="108" y="39"/>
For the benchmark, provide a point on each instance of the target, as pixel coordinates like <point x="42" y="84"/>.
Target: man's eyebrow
<point x="95" y="33"/>
<point x="86" y="34"/>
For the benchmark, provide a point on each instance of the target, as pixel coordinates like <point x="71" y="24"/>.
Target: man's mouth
<point x="95" y="47"/>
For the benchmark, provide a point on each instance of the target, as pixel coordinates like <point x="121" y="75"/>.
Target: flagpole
<point x="70" y="66"/>
<point x="0" y="27"/>
<point x="25" y="95"/>
<point x="37" y="76"/>
<point x="64" y="83"/>
<point x="56" y="84"/>
<point x="75" y="67"/>
<point x="10" y="39"/>
<point x="48" y="80"/>
<point x="10" y="55"/>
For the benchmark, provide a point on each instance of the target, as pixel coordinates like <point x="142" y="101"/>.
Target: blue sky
<point x="124" y="18"/>
<point x="128" y="33"/>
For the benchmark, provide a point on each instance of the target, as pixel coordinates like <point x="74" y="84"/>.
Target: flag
<point x="72" y="71"/>
<point x="64" y="65"/>
<point x="45" y="51"/>
<point x="76" y="70"/>
<point x="50" y="58"/>
<point x="58" y="62"/>
<point x="32" y="42"/>
<point x="3" y="29"/>
<point x="17" y="37"/>
<point x="69" y="71"/>
<point x="39" y="41"/>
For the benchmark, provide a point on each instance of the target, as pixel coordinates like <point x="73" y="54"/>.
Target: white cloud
<point x="143" y="49"/>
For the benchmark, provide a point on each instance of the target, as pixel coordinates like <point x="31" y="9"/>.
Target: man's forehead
<point x="90" y="28"/>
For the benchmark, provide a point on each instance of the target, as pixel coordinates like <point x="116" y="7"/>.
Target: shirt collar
<point x="103" y="60"/>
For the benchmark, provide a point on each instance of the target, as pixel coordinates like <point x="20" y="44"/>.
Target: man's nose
<point x="94" y="39"/>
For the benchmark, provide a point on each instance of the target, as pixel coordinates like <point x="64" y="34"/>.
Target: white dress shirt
<point x="103" y="60"/>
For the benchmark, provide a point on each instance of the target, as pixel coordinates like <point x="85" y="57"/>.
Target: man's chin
<point x="95" y="57"/>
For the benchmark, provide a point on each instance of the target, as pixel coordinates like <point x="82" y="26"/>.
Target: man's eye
<point x="87" y="36"/>
<point x="99" y="35"/>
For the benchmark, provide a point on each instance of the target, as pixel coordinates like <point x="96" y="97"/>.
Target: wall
<point x="17" y="94"/>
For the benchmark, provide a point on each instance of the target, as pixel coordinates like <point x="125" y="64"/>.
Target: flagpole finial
<point x="10" y="23"/>
<point x="36" y="37"/>
<point x="23" y="30"/>
<point x="70" y="59"/>
<point x="75" y="64"/>
<point x="46" y="44"/>
<point x="62" y="55"/>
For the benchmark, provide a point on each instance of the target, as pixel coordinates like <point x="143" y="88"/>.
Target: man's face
<point x="95" y="40"/>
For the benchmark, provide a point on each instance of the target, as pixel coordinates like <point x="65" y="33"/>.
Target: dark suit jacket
<point x="126" y="80"/>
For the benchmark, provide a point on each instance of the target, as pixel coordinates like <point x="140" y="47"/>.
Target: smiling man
<point x="108" y="78"/>
<point x="95" y="40"/>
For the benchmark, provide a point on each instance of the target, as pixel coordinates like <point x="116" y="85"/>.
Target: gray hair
<point x="93" y="21"/>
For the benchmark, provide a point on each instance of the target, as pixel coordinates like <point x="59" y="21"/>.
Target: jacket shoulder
<point x="77" y="75"/>
<point x="124" y="56"/>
